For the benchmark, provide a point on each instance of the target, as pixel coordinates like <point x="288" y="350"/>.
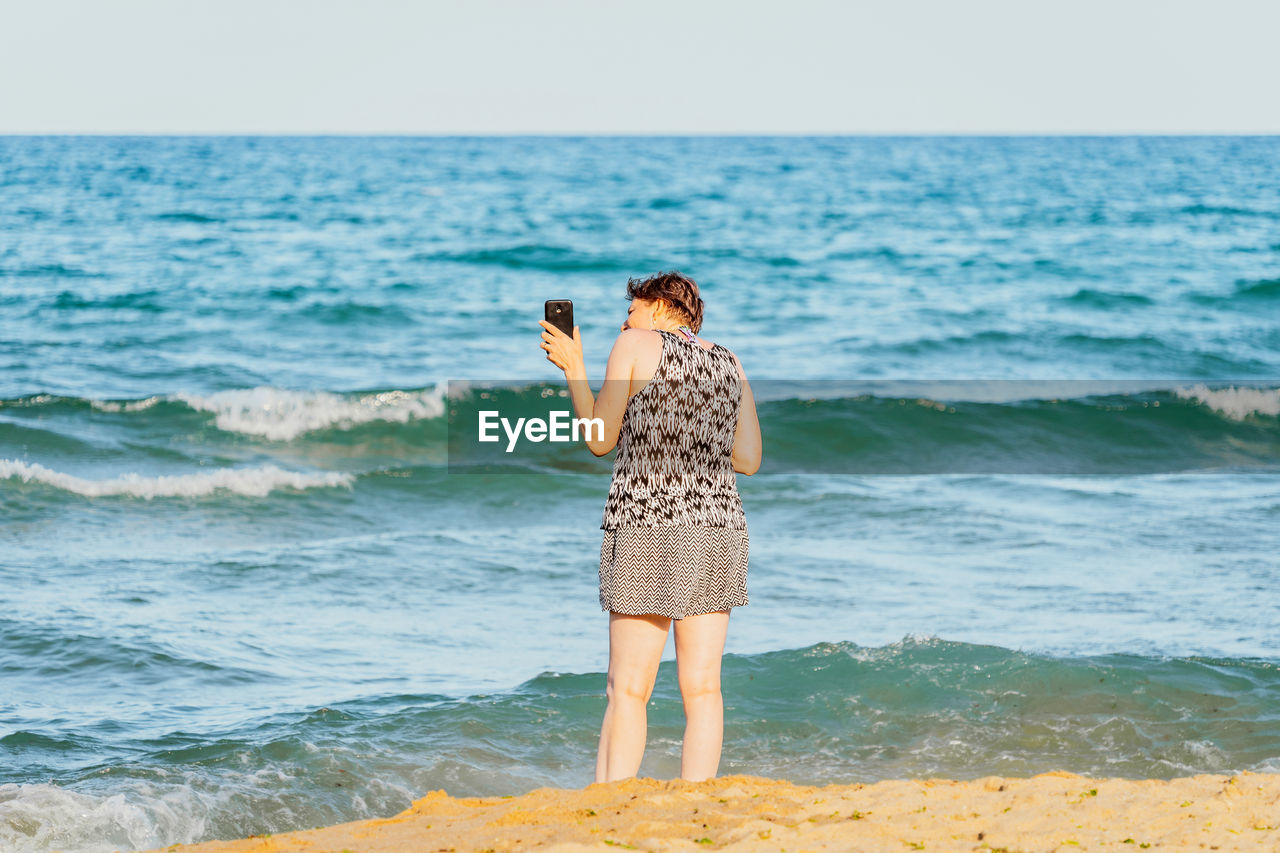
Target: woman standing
<point x="681" y="413"/>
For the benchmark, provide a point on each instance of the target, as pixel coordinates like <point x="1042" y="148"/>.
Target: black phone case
<point x="560" y="314"/>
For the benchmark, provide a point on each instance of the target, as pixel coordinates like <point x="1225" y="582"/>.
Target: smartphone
<point x="560" y="315"/>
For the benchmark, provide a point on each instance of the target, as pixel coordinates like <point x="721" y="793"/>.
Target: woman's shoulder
<point x="639" y="347"/>
<point x="639" y="339"/>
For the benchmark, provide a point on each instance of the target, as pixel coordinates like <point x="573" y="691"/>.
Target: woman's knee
<point x="699" y="685"/>
<point x="629" y="688"/>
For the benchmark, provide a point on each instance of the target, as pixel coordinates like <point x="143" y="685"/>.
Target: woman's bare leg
<point x="635" y="650"/>
<point x="699" y="648"/>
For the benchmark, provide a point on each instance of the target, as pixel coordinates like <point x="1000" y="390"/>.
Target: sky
<point x="641" y="67"/>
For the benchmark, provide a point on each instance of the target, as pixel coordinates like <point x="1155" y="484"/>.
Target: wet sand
<point x="1054" y="811"/>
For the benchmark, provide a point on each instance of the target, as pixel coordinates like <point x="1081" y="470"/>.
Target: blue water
<point x="242" y="590"/>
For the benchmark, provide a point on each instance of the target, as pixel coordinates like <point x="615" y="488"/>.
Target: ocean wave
<point x="1225" y="210"/>
<point x="1235" y="403"/>
<point x="1266" y="288"/>
<point x="538" y="257"/>
<point x="351" y="311"/>
<point x="54" y="270"/>
<point x="38" y="818"/>
<point x="1247" y="292"/>
<point x="142" y="300"/>
<point x="283" y="414"/>
<point x="863" y="426"/>
<point x="235" y="788"/>
<point x="1010" y="427"/>
<point x="1106" y="299"/>
<point x="186" y="216"/>
<point x="254" y="482"/>
<point x="124" y="405"/>
<point x="830" y="712"/>
<point x="46" y="651"/>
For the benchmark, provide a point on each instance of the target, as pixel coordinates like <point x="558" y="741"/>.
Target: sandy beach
<point x="1056" y="811"/>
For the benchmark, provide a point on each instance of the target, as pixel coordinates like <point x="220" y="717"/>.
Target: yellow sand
<point x="1054" y="811"/>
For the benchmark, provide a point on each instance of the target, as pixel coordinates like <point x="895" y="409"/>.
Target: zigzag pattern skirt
<point x="673" y="571"/>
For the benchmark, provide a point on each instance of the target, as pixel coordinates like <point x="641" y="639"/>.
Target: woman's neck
<point x="684" y="331"/>
<point x="672" y="326"/>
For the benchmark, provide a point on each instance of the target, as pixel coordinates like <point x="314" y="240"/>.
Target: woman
<point x="683" y="418"/>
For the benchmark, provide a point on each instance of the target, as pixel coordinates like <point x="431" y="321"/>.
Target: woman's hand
<point x="563" y="351"/>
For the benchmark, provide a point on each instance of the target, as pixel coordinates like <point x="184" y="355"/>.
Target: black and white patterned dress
<point x="675" y="537"/>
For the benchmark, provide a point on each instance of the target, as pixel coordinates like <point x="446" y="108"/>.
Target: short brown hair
<point x="674" y="288"/>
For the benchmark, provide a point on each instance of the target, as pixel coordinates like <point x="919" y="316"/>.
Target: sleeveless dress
<point x="675" y="536"/>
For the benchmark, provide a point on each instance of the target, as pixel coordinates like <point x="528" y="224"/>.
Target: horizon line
<point x="649" y="134"/>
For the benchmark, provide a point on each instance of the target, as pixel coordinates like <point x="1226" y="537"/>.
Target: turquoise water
<point x="1018" y="510"/>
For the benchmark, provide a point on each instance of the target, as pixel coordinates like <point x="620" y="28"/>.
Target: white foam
<point x="190" y="805"/>
<point x="1235" y="403"/>
<point x="459" y="389"/>
<point x="244" y="481"/>
<point x="283" y="414"/>
<point x="127" y="406"/>
<point x="39" y="818"/>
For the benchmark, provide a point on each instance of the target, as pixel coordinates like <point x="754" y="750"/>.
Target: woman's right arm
<point x="747" y="445"/>
<point x="614" y="391"/>
<point x="565" y="352"/>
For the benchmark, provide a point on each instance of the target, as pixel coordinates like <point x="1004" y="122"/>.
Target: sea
<point x="1018" y="510"/>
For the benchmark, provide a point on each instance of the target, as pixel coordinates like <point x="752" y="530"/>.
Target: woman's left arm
<point x="746" y="437"/>
<point x="566" y="353"/>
